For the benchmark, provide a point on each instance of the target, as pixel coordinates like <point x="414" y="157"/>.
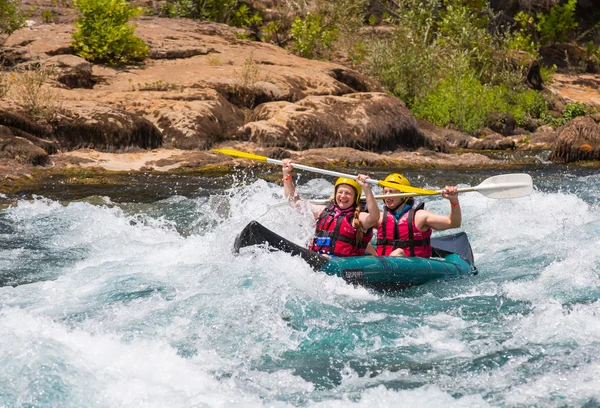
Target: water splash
<point x="119" y="304"/>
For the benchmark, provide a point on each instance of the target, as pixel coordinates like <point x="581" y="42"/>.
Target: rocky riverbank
<point x="202" y="88"/>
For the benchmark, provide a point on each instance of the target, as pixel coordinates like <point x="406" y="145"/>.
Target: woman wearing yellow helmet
<point x="405" y="228"/>
<point x="342" y="229"/>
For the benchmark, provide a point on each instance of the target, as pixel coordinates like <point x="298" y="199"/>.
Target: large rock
<point x="577" y="140"/>
<point x="104" y="128"/>
<point x="492" y="141"/>
<point x="20" y="149"/>
<point x="194" y="121"/>
<point x="72" y="71"/>
<point x="196" y="87"/>
<point x="543" y="138"/>
<point x="16" y="118"/>
<point x="576" y="88"/>
<point x="371" y="121"/>
<point x="19" y="124"/>
<point x="502" y="123"/>
<point x="446" y="138"/>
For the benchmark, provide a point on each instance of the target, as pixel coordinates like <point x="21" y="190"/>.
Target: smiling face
<point x="345" y="196"/>
<point x="392" y="203"/>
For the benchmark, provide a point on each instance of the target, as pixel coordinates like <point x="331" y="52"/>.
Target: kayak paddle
<point x="406" y="189"/>
<point x="502" y="186"/>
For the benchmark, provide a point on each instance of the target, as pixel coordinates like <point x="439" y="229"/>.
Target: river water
<point x="121" y="299"/>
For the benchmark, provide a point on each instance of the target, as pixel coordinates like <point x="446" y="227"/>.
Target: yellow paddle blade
<point x="237" y="153"/>
<point x="407" y="189"/>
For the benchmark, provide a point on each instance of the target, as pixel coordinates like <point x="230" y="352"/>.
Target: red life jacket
<point x="335" y="234"/>
<point x="403" y="233"/>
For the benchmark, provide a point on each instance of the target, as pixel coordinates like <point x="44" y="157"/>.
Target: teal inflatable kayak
<point x="453" y="258"/>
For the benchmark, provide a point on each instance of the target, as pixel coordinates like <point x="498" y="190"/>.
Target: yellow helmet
<point x="398" y="179"/>
<point x="352" y="183"/>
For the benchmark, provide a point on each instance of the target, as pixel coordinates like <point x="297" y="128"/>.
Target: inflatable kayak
<point x="453" y="258"/>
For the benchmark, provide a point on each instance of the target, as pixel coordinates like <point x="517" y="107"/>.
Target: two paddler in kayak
<point x="403" y="229"/>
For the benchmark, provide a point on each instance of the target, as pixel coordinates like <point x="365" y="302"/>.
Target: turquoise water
<point x="109" y="301"/>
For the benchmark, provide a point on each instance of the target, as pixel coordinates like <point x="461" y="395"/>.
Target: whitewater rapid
<point x="118" y="304"/>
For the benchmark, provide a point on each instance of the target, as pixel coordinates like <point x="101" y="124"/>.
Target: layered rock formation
<point x="203" y="87"/>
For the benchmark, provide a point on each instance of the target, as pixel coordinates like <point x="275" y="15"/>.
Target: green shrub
<point x="172" y="10"/>
<point x="408" y="63"/>
<point x="220" y="11"/>
<point x="592" y="54"/>
<point x="103" y="34"/>
<point x="558" y="23"/>
<point x="232" y="12"/>
<point x="461" y="102"/>
<point x="574" y="109"/>
<point x="312" y="38"/>
<point x="348" y="17"/>
<point x="49" y="16"/>
<point x="244" y="17"/>
<point x="11" y="17"/>
<point x="533" y="103"/>
<point x="358" y="53"/>
<point x="406" y="69"/>
<point x="523" y="38"/>
<point x="276" y="32"/>
<point x="547" y="72"/>
<point x="571" y="111"/>
<point x="453" y="67"/>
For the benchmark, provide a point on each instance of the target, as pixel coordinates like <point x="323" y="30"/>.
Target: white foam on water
<point x="102" y="370"/>
<point x="564" y="279"/>
<point x="572" y="264"/>
<point x="552" y="322"/>
<point x="440" y="336"/>
<point x="580" y="386"/>
<point x="427" y="396"/>
<point x="147" y="316"/>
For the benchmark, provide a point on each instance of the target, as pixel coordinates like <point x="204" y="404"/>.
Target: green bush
<point x="11" y="17"/>
<point x="592" y="55"/>
<point x="523" y="37"/>
<point x="348" y="17"/>
<point x="312" y="38"/>
<point x="552" y="27"/>
<point x="558" y="23"/>
<point x="49" y="16"/>
<point x="103" y="33"/>
<point x="232" y="12"/>
<point x="406" y="69"/>
<point x="574" y="109"/>
<point x="276" y="32"/>
<point x="175" y="9"/>
<point x="461" y="102"/>
<point x="547" y="72"/>
<point x="533" y="103"/>
<point x="454" y="66"/>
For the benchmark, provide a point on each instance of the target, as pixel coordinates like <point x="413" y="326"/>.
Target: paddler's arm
<point x="289" y="190"/>
<point x="441" y="222"/>
<point x="371" y="218"/>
